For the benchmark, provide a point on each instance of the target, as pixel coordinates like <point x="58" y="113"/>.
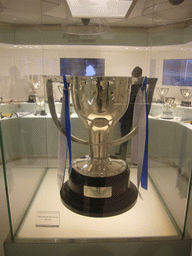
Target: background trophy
<point x="35" y="84"/>
<point x="162" y="92"/>
<point x="169" y="101"/>
<point x="40" y="101"/>
<point x="186" y="93"/>
<point x="98" y="185"/>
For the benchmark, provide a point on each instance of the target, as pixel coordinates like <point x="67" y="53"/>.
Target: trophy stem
<point x="99" y="143"/>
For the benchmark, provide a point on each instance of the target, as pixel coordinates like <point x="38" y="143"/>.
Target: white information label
<point x="47" y="219"/>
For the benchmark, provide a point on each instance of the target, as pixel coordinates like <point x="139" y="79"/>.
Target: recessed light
<point x="100" y="8"/>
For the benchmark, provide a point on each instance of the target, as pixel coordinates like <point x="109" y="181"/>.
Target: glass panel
<point x="23" y="125"/>
<point x="31" y="146"/>
<point x="3" y="168"/>
<point x="170" y="137"/>
<point x="29" y="137"/>
<point x="24" y="139"/>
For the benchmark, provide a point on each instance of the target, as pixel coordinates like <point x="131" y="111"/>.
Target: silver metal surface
<point x="100" y="102"/>
<point x="48" y="82"/>
<point x="95" y="167"/>
<point x="114" y="89"/>
<point x="117" y="86"/>
<point x="97" y="192"/>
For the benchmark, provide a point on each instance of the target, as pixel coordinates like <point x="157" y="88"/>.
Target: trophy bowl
<point x="99" y="186"/>
<point x="169" y="101"/>
<point x="162" y="92"/>
<point x="186" y="93"/>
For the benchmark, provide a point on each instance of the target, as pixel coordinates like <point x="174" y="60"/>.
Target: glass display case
<point x="161" y="219"/>
<point x="29" y="144"/>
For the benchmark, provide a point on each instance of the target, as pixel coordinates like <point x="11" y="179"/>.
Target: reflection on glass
<point x="177" y="72"/>
<point x="82" y="67"/>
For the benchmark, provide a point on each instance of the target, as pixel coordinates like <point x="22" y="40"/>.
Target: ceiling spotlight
<point x="101" y="8"/>
<point x="85" y="21"/>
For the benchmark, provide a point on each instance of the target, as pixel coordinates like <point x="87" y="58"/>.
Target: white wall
<point x="18" y="61"/>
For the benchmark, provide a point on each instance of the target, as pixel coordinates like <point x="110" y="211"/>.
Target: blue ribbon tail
<point x="144" y="174"/>
<point x="67" y="119"/>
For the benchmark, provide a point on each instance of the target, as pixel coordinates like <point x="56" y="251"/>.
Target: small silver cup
<point x="186" y="93"/>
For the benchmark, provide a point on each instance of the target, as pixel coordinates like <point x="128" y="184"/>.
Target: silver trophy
<point x="40" y="101"/>
<point x="169" y="102"/>
<point x="162" y="92"/>
<point x="186" y="93"/>
<point x="98" y="185"/>
<point x="35" y="82"/>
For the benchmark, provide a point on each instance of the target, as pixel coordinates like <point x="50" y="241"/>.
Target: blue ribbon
<point x="144" y="174"/>
<point x="67" y="118"/>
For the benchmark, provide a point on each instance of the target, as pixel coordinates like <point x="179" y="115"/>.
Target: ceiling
<point x="145" y="13"/>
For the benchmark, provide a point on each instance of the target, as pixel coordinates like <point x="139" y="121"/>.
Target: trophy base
<point x="32" y="99"/>
<point x="167" y="115"/>
<point x="43" y="113"/>
<point x="99" y="196"/>
<point x="186" y="103"/>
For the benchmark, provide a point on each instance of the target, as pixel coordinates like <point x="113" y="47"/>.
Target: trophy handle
<point x="54" y="114"/>
<point x="62" y="130"/>
<point x="125" y="138"/>
<point x="151" y="82"/>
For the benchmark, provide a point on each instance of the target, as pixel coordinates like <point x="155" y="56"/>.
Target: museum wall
<point x="16" y="61"/>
